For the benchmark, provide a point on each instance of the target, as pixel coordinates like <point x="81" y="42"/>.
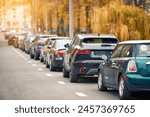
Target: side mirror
<point x="67" y="45"/>
<point x="49" y="46"/>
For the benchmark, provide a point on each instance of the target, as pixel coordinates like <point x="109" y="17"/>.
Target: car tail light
<point x="132" y="66"/>
<point x="40" y="43"/>
<point x="59" y="52"/>
<point x="83" y="51"/>
<point x="82" y="69"/>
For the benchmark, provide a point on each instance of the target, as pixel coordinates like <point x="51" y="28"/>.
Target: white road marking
<point x="61" y="82"/>
<point x="40" y="69"/>
<point x="34" y="65"/>
<point x="80" y="94"/>
<point x="49" y="75"/>
<point x="25" y="59"/>
<point x="29" y="61"/>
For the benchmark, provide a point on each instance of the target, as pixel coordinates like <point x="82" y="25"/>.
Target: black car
<point x="127" y="69"/>
<point x="56" y="53"/>
<point x="85" y="53"/>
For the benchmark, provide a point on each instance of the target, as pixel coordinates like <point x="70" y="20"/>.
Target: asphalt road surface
<point x="22" y="78"/>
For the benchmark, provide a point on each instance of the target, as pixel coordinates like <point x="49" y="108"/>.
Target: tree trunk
<point x="78" y="18"/>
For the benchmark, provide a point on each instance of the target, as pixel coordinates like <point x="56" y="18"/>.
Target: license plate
<point x="95" y="55"/>
<point x="59" y="58"/>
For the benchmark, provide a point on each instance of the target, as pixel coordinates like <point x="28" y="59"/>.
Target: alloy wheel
<point x="121" y="87"/>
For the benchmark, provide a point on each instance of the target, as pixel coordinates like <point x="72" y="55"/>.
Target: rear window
<point x="100" y="40"/>
<point x="61" y="43"/>
<point x="43" y="39"/>
<point x="143" y="50"/>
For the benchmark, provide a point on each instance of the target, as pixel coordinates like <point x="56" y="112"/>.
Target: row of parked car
<point x="124" y="66"/>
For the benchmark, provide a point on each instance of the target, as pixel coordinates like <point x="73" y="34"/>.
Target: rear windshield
<point x="100" y="40"/>
<point x="61" y="43"/>
<point x="43" y="39"/>
<point x="143" y="50"/>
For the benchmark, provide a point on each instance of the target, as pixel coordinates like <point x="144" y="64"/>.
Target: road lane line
<point x="40" y="69"/>
<point x="34" y="65"/>
<point x="25" y="59"/>
<point x="61" y="82"/>
<point x="80" y="94"/>
<point x="29" y="61"/>
<point x="49" y="75"/>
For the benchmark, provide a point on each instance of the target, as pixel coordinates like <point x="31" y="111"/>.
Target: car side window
<point x="127" y="51"/>
<point x="117" y="51"/>
<point x="143" y="50"/>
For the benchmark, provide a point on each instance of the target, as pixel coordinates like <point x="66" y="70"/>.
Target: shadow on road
<point x="141" y="96"/>
<point x="87" y="80"/>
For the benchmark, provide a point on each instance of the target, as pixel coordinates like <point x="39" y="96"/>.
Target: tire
<point x="51" y="67"/>
<point x="47" y="65"/>
<point x="36" y="57"/>
<point x="31" y="55"/>
<point x="41" y="59"/>
<point x="73" y="77"/>
<point x="65" y="72"/>
<point x="44" y="61"/>
<point x="101" y="86"/>
<point x="124" y="93"/>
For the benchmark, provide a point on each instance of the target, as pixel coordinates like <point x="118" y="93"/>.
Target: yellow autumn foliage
<point x="125" y="22"/>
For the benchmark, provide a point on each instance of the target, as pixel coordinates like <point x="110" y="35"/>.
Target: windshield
<point x="100" y="40"/>
<point x="143" y="50"/>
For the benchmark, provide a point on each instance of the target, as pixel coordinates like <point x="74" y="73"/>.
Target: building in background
<point x="15" y="14"/>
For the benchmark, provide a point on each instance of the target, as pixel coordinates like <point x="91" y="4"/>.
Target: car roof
<point x="82" y="36"/>
<point x="42" y="35"/>
<point x="64" y="40"/>
<point x="53" y="38"/>
<point x="135" y="42"/>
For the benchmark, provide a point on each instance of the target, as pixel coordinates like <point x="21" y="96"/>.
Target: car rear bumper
<point x="38" y="52"/>
<point x="86" y="68"/>
<point x="57" y="63"/>
<point x="138" y="83"/>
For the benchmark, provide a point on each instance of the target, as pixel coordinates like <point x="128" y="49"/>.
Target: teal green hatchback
<point x="127" y="69"/>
